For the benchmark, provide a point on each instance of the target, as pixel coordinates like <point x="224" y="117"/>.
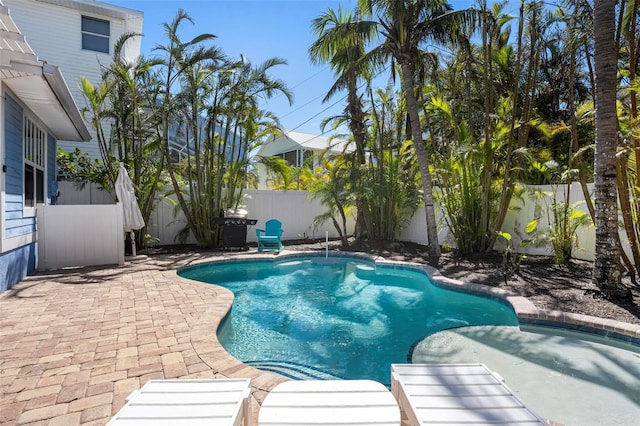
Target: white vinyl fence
<point x="79" y="235"/>
<point x="293" y="208"/>
<point x="521" y="212"/>
<point x="297" y="212"/>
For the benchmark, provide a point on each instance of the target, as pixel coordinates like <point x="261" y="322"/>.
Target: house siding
<point x="15" y="223"/>
<point x="15" y="264"/>
<point x="54" y="33"/>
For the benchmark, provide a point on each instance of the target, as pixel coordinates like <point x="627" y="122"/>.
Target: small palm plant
<point x="563" y="218"/>
<point x="561" y="235"/>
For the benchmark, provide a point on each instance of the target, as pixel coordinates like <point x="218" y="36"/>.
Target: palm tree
<point x="333" y="189"/>
<point x="342" y="40"/>
<point x="119" y="103"/>
<point x="405" y="26"/>
<point x="606" y="274"/>
<point x="178" y="57"/>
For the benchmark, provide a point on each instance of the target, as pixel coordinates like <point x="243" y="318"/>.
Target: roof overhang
<point x="46" y="94"/>
<point x="38" y="85"/>
<point x="98" y="8"/>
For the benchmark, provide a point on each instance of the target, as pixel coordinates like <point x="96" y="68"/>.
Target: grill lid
<point x="236" y="213"/>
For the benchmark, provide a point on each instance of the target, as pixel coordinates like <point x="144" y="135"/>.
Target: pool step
<point x="293" y="370"/>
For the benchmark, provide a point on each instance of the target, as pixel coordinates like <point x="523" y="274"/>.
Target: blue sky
<point x="259" y="30"/>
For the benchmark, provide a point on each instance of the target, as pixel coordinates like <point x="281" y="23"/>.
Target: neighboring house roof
<point x="290" y="141"/>
<point x="317" y="142"/>
<point x="40" y="86"/>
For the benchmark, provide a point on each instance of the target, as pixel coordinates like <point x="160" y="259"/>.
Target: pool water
<point x="569" y="377"/>
<point x="344" y="318"/>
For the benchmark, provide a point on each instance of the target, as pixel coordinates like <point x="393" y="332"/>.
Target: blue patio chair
<point x="269" y="238"/>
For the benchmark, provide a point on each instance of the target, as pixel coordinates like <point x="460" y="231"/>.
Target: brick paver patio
<point x="75" y="343"/>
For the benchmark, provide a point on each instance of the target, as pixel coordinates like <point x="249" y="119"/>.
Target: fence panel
<point x="521" y="212"/>
<point x="297" y="212"/>
<point x="72" y="194"/>
<point x="79" y="235"/>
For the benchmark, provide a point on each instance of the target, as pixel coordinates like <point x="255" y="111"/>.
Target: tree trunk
<point x="606" y="274"/>
<point x="423" y="161"/>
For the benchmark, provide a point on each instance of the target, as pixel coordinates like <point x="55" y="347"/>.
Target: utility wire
<point x="303" y="105"/>
<point x="333" y="104"/>
<point x="315" y="115"/>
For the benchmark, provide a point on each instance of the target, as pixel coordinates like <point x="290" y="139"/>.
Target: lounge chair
<point x="269" y="238"/>
<point x="187" y="402"/>
<point x="329" y="402"/>
<point x="439" y="394"/>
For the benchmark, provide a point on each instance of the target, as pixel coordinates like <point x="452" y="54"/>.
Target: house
<point x="296" y="148"/>
<point x="78" y="36"/>
<point x="36" y="110"/>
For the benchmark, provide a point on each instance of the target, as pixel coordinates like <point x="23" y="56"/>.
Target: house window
<point x="95" y="34"/>
<point x="306" y="157"/>
<point x="34" y="162"/>
<point x="291" y="157"/>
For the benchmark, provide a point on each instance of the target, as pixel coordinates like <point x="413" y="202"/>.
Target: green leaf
<point x="532" y="226"/>
<point x="505" y="235"/>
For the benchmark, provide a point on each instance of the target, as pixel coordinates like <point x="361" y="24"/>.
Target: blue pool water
<point x="345" y="319"/>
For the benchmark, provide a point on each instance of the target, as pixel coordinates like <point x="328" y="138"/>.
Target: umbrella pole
<point x="133" y="243"/>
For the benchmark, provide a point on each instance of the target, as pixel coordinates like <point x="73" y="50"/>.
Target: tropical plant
<point x="405" y="26"/>
<point x="78" y="167"/>
<point x="211" y="104"/>
<point x="511" y="257"/>
<point x="342" y="41"/>
<point x="118" y="110"/>
<point x="561" y="234"/>
<point x="390" y="178"/>
<point x="333" y="189"/>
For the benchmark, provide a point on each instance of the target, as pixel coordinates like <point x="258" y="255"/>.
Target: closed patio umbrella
<point x="132" y="217"/>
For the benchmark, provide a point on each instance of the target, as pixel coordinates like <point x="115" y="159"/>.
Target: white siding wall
<point x="54" y="33"/>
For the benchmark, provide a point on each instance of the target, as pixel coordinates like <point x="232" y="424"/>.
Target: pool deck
<point x="75" y="342"/>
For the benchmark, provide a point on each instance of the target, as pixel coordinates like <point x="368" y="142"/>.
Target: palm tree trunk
<point x="508" y="180"/>
<point x="606" y="274"/>
<point x="423" y="162"/>
<point x="488" y="107"/>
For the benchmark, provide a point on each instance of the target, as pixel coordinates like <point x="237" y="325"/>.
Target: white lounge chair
<point x="329" y="402"/>
<point x="187" y="402"/>
<point x="439" y="394"/>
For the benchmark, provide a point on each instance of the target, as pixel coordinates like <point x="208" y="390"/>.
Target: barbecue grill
<point x="234" y="228"/>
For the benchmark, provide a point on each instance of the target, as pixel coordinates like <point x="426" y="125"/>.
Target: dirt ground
<point x="566" y="288"/>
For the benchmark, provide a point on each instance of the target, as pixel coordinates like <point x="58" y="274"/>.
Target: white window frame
<point x="34" y="154"/>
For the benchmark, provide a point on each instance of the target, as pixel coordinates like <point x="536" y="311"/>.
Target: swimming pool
<point x="311" y="317"/>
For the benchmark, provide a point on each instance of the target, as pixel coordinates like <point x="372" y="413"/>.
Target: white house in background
<point x="36" y="110"/>
<point x="296" y="148"/>
<point x="78" y="36"/>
